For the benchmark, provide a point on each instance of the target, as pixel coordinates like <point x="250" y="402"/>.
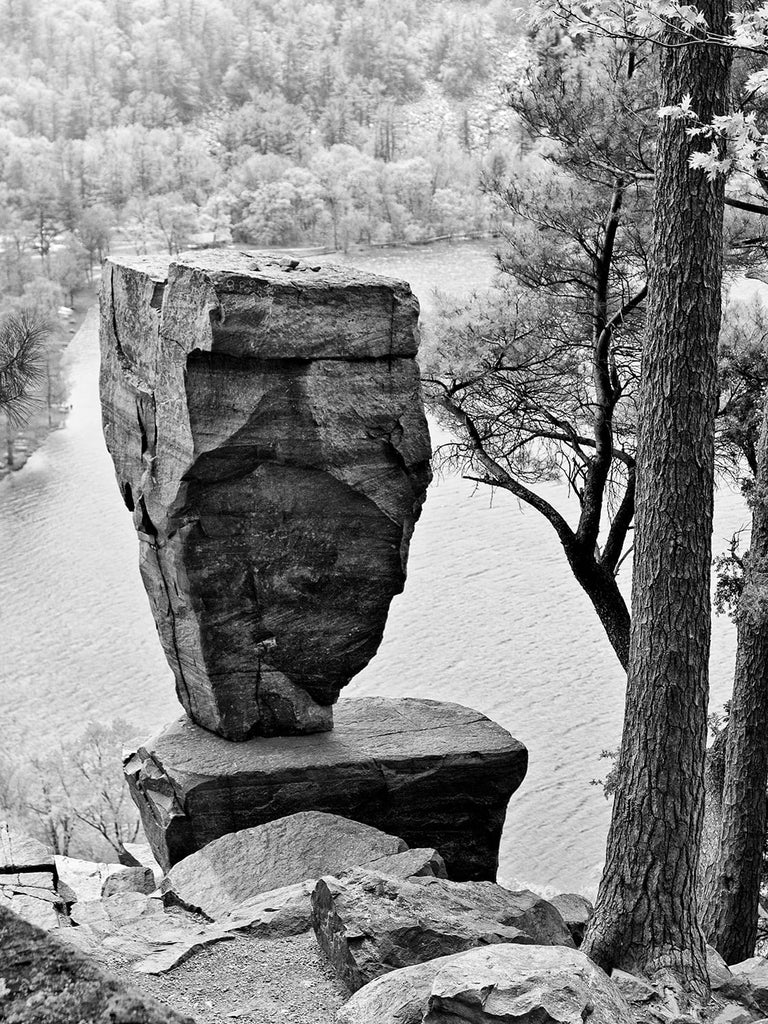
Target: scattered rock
<point x="179" y="949"/>
<point x="38" y="906"/>
<point x="20" y="852"/>
<point x="288" y="910"/>
<point x="239" y="866"/>
<point x="368" y="923"/>
<point x="84" y="879"/>
<point x="45" y="981"/>
<point x="576" y="911"/>
<point x="107" y="916"/>
<point x="278" y="913"/>
<point x="399" y="997"/>
<point x="732" y="1013"/>
<point x="139" y="879"/>
<point x="411" y="864"/>
<point x="268" y="434"/>
<point x="524" y="985"/>
<point x="720" y="974"/>
<point x="754" y="973"/>
<point x="437" y="774"/>
<point x="498" y="984"/>
<point x="144" y="858"/>
<point x="637" y="991"/>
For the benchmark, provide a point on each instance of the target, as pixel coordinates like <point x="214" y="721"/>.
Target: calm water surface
<point x="490" y="616"/>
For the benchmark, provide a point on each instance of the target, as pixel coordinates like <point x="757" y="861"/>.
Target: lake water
<point x="490" y="616"/>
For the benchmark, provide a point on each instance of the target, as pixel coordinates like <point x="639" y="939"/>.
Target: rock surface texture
<point x="437" y="775"/>
<point x="267" y="428"/>
<point x="45" y="980"/>
<point x="498" y="984"/>
<point x="368" y="924"/>
<point x="284" y="852"/>
<point x="28" y="879"/>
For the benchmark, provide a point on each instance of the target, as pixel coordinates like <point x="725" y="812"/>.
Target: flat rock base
<point x="438" y="775"/>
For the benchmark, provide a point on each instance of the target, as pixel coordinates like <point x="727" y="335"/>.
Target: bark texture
<point x="730" y="911"/>
<point x="645" y="917"/>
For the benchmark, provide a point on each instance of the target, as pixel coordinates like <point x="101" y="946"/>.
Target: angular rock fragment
<point x="439" y="775"/>
<point x="575" y="910"/>
<point x="267" y="429"/>
<point x="20" y="852"/>
<point x="141" y="880"/>
<point x="367" y="923"/>
<point x="524" y="985"/>
<point x="83" y="880"/>
<point x="278" y="913"/>
<point x="232" y="870"/>
<point x="418" y="863"/>
<point x="492" y="985"/>
<point x="753" y="973"/>
<point x="288" y="910"/>
<point x="27" y="879"/>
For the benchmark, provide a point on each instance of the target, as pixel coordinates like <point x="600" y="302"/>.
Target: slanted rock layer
<point x="368" y="923"/>
<point x="438" y="775"/>
<point x="241" y="865"/>
<point x="266" y="424"/>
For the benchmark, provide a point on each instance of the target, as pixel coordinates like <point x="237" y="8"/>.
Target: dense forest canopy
<point x="270" y="123"/>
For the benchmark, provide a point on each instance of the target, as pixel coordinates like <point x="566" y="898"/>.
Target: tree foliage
<point x="73" y="797"/>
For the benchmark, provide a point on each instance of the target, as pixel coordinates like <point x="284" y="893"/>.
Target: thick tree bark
<point x="645" y="918"/>
<point x="730" y="908"/>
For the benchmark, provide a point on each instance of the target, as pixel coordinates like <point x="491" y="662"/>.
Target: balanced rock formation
<point x="267" y="428"/>
<point x="436" y="774"/>
<point x="500" y="984"/>
<point x="368" y="924"/>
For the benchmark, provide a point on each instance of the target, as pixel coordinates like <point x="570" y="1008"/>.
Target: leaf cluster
<point x="23" y="334"/>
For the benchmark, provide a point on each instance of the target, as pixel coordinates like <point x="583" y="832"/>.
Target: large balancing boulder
<point x="368" y="923"/>
<point x="500" y="984"/>
<point x="267" y="428"/>
<point x="436" y="774"/>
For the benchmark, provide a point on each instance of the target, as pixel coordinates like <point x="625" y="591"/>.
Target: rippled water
<point x="490" y="616"/>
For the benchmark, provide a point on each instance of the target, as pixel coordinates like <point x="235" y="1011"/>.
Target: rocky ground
<point x="356" y="913"/>
<point x="253" y="980"/>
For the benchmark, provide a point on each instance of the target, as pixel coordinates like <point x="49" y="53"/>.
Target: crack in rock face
<point x="267" y="428"/>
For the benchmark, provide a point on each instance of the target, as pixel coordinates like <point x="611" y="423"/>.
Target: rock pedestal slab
<point x="436" y="774"/>
<point x="266" y="424"/>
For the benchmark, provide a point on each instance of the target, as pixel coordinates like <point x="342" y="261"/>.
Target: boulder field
<point x="411" y="946"/>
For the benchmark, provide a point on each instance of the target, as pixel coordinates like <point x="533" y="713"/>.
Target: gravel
<point x="269" y="981"/>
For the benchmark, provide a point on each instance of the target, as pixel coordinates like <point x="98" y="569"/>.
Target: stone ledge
<point x="437" y="774"/>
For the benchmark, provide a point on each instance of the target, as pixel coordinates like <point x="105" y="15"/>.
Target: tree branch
<point x="499" y="477"/>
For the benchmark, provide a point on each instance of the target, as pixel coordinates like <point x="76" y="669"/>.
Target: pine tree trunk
<point x="730" y="910"/>
<point x="645" y="918"/>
